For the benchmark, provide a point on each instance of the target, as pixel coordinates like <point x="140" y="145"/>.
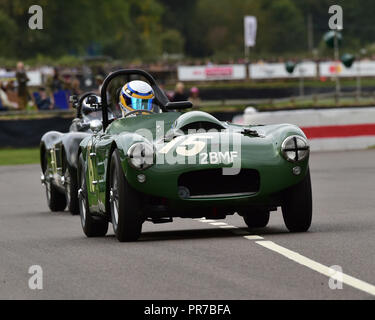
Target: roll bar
<point x="160" y="96"/>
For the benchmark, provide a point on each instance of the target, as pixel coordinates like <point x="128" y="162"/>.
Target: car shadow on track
<point x="189" y="234"/>
<point x="37" y="214"/>
<point x="197" y="234"/>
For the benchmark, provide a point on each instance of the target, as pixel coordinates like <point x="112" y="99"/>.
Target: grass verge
<point x="10" y="156"/>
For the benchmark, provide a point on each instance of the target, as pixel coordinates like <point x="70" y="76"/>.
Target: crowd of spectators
<point x="53" y="95"/>
<point x="60" y="84"/>
<point x="16" y="94"/>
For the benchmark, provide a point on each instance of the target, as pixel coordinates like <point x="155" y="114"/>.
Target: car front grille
<point x="211" y="183"/>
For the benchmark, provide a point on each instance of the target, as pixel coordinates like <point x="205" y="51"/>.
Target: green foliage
<point x="8" y="28"/>
<point x="172" y="42"/>
<point x="130" y="30"/>
<point x="283" y="25"/>
<point x="122" y="29"/>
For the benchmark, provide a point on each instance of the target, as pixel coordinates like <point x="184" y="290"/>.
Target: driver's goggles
<point x="139" y="104"/>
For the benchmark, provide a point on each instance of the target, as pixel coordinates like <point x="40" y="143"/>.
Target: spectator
<point x="67" y="85"/>
<point x="5" y="103"/>
<point x="194" y="97"/>
<point x="55" y="83"/>
<point x="10" y="85"/>
<point x="42" y="100"/>
<point x="76" y="87"/>
<point x="57" y="90"/>
<point x="99" y="82"/>
<point x="22" y="81"/>
<point x="179" y="94"/>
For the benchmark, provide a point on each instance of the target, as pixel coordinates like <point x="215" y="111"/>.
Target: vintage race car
<point x="153" y="166"/>
<point x="58" y="157"/>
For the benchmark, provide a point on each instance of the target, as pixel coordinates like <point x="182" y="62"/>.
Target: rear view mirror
<point x="92" y="100"/>
<point x="74" y="101"/>
<point x="178" y="105"/>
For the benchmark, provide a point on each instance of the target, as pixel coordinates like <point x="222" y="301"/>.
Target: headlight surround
<point x="295" y="148"/>
<point x="141" y="155"/>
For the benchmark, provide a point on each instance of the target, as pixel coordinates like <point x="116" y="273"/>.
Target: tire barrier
<point x="27" y="133"/>
<point x="327" y="129"/>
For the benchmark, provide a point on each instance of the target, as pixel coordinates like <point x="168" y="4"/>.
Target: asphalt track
<point x="196" y="259"/>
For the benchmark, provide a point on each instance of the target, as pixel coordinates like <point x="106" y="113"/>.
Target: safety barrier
<point x="327" y="129"/>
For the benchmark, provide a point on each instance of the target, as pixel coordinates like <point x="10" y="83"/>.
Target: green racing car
<point x="154" y="161"/>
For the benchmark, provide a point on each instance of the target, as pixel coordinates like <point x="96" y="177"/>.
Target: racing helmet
<point x="136" y="95"/>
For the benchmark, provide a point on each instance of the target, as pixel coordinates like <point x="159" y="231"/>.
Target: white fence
<point x="264" y="71"/>
<point x="278" y="71"/>
<point x="326" y="129"/>
<point x="361" y="68"/>
<point x="204" y="73"/>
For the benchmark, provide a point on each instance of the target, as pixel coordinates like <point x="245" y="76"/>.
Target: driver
<point x="136" y="95"/>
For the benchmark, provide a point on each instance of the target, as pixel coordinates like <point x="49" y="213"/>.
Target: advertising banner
<point x="306" y="69"/>
<point x="218" y="72"/>
<point x="361" y="68"/>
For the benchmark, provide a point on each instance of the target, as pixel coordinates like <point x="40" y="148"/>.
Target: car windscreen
<point x="96" y="115"/>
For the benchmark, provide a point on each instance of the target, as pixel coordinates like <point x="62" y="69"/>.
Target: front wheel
<point x="297" y="206"/>
<point x="71" y="189"/>
<point x="56" y="200"/>
<point x="125" y="204"/>
<point x="92" y="226"/>
<point x="257" y="219"/>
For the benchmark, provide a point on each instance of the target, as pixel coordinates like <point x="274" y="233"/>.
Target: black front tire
<point x="92" y="226"/>
<point x="297" y="206"/>
<point x="125" y="204"/>
<point x="71" y="189"/>
<point x="257" y="219"/>
<point x="56" y="200"/>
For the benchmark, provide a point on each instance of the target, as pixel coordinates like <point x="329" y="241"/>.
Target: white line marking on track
<point x="296" y="257"/>
<point x="228" y="227"/>
<point x="218" y="223"/>
<point x="254" y="237"/>
<point x="318" y="267"/>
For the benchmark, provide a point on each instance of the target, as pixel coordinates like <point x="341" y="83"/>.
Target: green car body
<point x="263" y="154"/>
<point x="261" y="179"/>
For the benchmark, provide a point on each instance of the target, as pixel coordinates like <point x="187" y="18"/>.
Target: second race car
<point x="58" y="155"/>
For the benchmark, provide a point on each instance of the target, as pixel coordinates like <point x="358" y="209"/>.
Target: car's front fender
<point x="71" y="143"/>
<point x="47" y="142"/>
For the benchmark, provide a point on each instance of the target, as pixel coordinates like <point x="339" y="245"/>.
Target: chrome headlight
<point x="295" y="148"/>
<point x="141" y="155"/>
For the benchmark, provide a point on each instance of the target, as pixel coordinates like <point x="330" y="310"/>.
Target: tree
<point x="7" y="41"/>
<point x="134" y="29"/>
<point x="281" y="27"/>
<point x="172" y="42"/>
